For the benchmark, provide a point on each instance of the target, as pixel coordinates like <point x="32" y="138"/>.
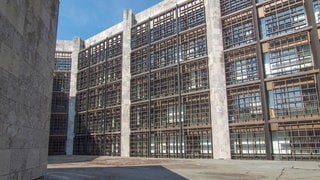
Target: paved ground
<point x="101" y="167"/>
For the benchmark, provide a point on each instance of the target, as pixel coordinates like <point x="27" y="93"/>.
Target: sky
<point x="85" y="18"/>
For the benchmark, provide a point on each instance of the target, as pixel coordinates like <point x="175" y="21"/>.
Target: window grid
<point x="57" y="145"/>
<point x="140" y="61"/>
<point x="165" y="144"/>
<point x="58" y="124"/>
<point x="139" y="116"/>
<point x="193" y="44"/>
<point x="247" y="143"/>
<point x="80" y="124"/>
<point x="96" y="98"/>
<point x="292" y="141"/>
<point x="79" y="145"/>
<point x="112" y="145"/>
<point x="195" y="110"/>
<point x="316" y="7"/>
<point x="238" y="30"/>
<point x="191" y="14"/>
<point x="163" y="25"/>
<point x="62" y="61"/>
<point x="113" y="94"/>
<point x="194" y="76"/>
<point x="197" y="143"/>
<point x="164" y="82"/>
<point x="244" y="104"/>
<point x="82" y="79"/>
<point x="97" y="75"/>
<point x="95" y="122"/>
<point x="287" y="55"/>
<point x="293" y="97"/>
<point x="113" y="119"/>
<point x="164" y="113"/>
<point x="61" y="82"/>
<point x="113" y="69"/>
<point x="60" y="102"/>
<point x="114" y="46"/>
<point x="139" y="88"/>
<point x="81" y="101"/>
<point x="163" y="53"/>
<point x="282" y="17"/>
<point x="84" y="57"/>
<point x="140" y="35"/>
<point x="230" y="6"/>
<point x="94" y="145"/>
<point x="98" y="53"/>
<point x="139" y="144"/>
<point x="241" y="65"/>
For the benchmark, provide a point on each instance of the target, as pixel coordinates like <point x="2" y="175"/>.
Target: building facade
<point x="63" y="96"/>
<point x="143" y="87"/>
<point x="203" y="79"/>
<point x="271" y="52"/>
<point x="59" y="103"/>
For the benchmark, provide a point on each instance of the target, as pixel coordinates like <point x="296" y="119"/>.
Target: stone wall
<point x="27" y="43"/>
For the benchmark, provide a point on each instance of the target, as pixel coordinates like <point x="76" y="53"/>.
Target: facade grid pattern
<point x="169" y="85"/>
<point x="271" y="58"/>
<point x="273" y="79"/>
<point x="98" y="99"/>
<point x="60" y="103"/>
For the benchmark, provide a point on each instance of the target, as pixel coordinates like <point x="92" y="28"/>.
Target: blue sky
<point x="85" y="18"/>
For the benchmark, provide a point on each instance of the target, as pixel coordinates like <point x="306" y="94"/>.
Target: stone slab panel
<point x="33" y="158"/>
<point x="14" y="14"/>
<point x="5" y="155"/>
<point x="18" y="160"/>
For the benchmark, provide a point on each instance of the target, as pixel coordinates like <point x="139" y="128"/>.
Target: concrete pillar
<point x="126" y="76"/>
<point x="77" y="45"/>
<point x="218" y="96"/>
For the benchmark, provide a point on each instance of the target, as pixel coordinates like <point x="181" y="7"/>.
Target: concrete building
<point x="203" y="79"/>
<point x="27" y="42"/>
<point x="63" y="96"/>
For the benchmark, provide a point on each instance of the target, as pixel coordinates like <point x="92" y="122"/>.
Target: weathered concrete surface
<point x="27" y="44"/>
<point x="125" y="84"/>
<point x="95" y="167"/>
<point x="217" y="82"/>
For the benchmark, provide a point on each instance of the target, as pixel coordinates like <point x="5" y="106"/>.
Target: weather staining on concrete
<point x="27" y="43"/>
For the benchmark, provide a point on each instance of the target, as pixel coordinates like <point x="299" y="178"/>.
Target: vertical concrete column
<point x="126" y="76"/>
<point x="218" y="95"/>
<point x="76" y="47"/>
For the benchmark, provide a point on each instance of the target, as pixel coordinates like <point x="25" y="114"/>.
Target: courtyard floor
<point x="102" y="167"/>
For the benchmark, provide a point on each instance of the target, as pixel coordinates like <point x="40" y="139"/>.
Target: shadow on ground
<point x="125" y="172"/>
<point x="57" y="159"/>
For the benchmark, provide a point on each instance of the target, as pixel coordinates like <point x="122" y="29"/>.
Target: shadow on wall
<point x="127" y="172"/>
<point x="98" y="132"/>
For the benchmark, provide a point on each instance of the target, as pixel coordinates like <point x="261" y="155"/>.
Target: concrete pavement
<point x="102" y="167"/>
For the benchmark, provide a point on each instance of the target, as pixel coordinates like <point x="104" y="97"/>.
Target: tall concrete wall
<point x="27" y="43"/>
